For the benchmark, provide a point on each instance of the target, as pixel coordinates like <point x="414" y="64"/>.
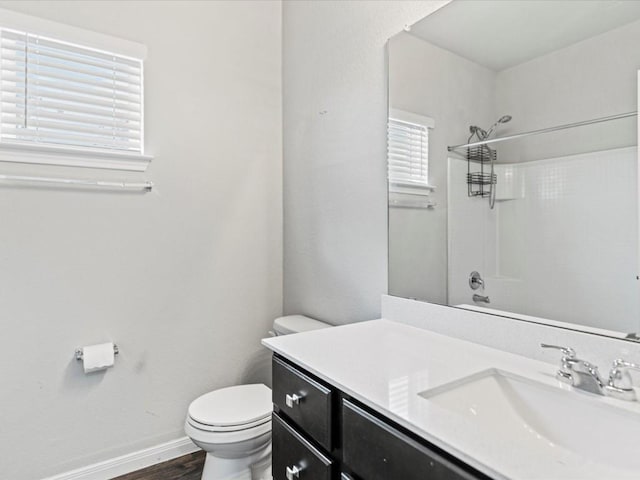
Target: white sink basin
<point x="543" y="423"/>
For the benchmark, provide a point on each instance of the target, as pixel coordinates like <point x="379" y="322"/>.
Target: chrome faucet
<point x="475" y="280"/>
<point x="480" y="298"/>
<point x="578" y="373"/>
<point x="585" y="376"/>
<point x="620" y="384"/>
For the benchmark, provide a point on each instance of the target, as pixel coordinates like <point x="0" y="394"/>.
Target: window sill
<point x="402" y="200"/>
<point x="424" y="190"/>
<point x="72" y="157"/>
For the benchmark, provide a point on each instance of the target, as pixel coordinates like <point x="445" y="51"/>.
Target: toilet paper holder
<point x="80" y="353"/>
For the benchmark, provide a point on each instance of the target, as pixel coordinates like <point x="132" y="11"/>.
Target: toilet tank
<point x="296" y="324"/>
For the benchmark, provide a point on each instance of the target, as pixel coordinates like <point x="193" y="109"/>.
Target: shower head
<point x="502" y="119"/>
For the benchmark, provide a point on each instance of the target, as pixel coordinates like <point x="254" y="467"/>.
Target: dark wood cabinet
<point x="374" y="450"/>
<point x="304" y="401"/>
<point x="319" y="433"/>
<point x="296" y="458"/>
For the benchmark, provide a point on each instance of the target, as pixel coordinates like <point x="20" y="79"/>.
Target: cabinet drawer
<point x="374" y="450"/>
<point x="294" y="457"/>
<point x="303" y="400"/>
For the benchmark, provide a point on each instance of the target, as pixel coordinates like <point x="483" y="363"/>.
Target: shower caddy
<point x="481" y="178"/>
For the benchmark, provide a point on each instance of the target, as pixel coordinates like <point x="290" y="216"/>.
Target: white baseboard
<point x="131" y="462"/>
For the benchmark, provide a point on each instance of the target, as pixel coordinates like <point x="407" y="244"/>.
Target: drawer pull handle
<point x="291" y="400"/>
<point x="293" y="473"/>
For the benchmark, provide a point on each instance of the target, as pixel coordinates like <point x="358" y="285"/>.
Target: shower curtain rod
<point x="544" y="130"/>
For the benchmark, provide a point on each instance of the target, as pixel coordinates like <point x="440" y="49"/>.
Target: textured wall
<point x="594" y="78"/>
<point x="455" y="93"/>
<point x="335" y="108"/>
<point x="186" y="279"/>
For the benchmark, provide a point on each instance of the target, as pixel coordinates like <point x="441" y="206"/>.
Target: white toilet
<point x="233" y="424"/>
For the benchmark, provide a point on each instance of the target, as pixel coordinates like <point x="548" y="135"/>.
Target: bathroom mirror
<point x="513" y="184"/>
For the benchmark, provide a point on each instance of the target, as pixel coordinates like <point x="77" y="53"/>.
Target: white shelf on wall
<point x="404" y="200"/>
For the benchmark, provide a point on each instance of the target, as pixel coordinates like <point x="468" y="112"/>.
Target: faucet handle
<point x="565" y="373"/>
<point x="619" y="377"/>
<point x="566" y="351"/>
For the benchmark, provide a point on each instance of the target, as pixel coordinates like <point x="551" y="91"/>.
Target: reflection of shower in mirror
<point x="561" y="242"/>
<point x="503" y="119"/>
<point x="485" y="134"/>
<point x="478" y="179"/>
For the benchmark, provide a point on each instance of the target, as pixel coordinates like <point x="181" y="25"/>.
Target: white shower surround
<point x="561" y="242"/>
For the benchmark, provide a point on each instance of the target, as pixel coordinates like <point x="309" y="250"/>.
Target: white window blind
<point x="408" y="154"/>
<point x="55" y="94"/>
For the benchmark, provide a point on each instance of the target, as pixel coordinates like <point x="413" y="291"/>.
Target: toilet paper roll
<point x="97" y="357"/>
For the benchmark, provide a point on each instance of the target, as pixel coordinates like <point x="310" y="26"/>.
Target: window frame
<point x="398" y="187"/>
<point x="77" y="156"/>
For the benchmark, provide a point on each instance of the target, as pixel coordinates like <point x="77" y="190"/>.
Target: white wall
<point x="186" y="279"/>
<point x="455" y="93"/>
<point x="335" y="202"/>
<point x="590" y="79"/>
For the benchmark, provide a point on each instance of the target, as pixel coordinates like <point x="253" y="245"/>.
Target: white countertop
<point x="385" y="364"/>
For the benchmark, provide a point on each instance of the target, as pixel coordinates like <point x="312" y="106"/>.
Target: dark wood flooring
<point x="188" y="467"/>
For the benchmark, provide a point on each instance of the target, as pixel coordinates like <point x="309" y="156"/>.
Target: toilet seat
<point x="206" y="434"/>
<point x="241" y="408"/>
<point x="230" y="428"/>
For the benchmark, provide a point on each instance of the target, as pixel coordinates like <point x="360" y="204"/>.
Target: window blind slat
<point x="74" y="100"/>
<point x="20" y="54"/>
<point x="11" y="114"/>
<point x="65" y="125"/>
<point x="48" y="79"/>
<point x="17" y="61"/>
<point x="46" y="135"/>
<point x="53" y="129"/>
<point x="82" y="53"/>
<point x="62" y="94"/>
<point x="15" y="36"/>
<point x="104" y="75"/>
<point x="16" y="104"/>
<point x="17" y="52"/>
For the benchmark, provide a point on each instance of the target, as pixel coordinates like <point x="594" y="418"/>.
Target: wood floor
<point x="188" y="467"/>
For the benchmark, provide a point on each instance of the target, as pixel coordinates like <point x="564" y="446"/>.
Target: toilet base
<point x="261" y="470"/>
<point x="253" y="467"/>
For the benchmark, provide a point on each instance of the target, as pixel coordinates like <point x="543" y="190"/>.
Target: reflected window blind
<point x="408" y="152"/>
<point x="58" y="94"/>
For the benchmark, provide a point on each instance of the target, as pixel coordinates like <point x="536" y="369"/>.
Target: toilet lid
<point x="238" y="405"/>
<point x="296" y="324"/>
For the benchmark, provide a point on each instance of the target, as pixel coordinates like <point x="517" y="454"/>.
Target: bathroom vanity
<point x="353" y="441"/>
<point x="382" y="400"/>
